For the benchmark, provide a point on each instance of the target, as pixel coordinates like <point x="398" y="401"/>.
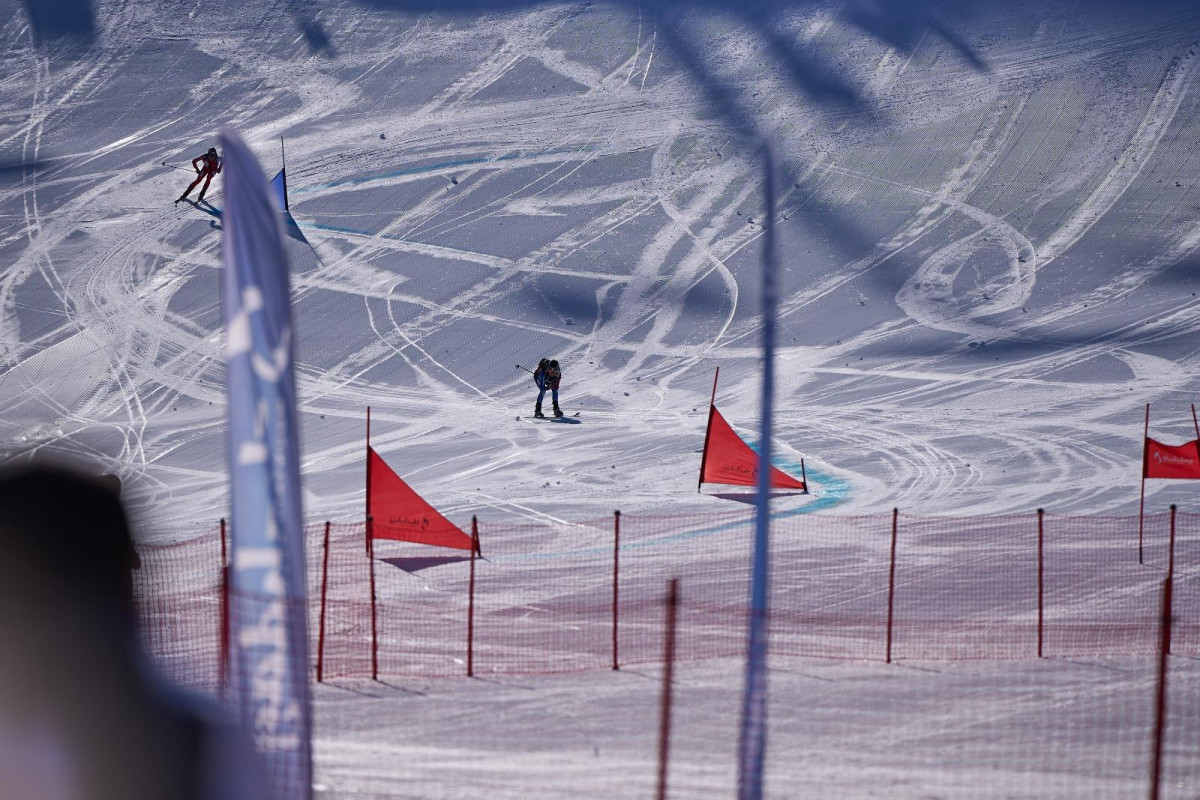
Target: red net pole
<point x="891" y="588"/>
<point x="803" y="476"/>
<point x="664" y="719"/>
<point x="1142" y="501"/>
<point x="223" y="666"/>
<point x="321" y="619"/>
<point x="471" y="601"/>
<point x="616" y="578"/>
<point x="223" y="645"/>
<point x="368" y="493"/>
<point x="374" y="623"/>
<point x="1160" y="708"/>
<point x="1171" y="546"/>
<point x="1041" y="578"/>
<point x="1170" y="571"/>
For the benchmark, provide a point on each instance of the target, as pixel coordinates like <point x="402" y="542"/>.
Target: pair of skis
<point x="564" y="420"/>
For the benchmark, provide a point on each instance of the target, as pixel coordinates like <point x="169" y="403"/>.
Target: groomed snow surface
<point x="837" y="729"/>
<point x="988" y="232"/>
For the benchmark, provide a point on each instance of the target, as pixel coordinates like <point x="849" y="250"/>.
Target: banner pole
<point x="471" y="600"/>
<point x="616" y="582"/>
<point x="664" y="717"/>
<point x="321" y="619"/>
<point x="712" y="404"/>
<point x="283" y="158"/>
<point x="374" y="623"/>
<point x="1040" y="578"/>
<point x="1142" y="502"/>
<point x="891" y="587"/>
<point x="1160" y="706"/>
<point x="224" y="551"/>
<point x="803" y="476"/>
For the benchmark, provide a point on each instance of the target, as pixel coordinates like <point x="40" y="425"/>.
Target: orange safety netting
<point x="964" y="588"/>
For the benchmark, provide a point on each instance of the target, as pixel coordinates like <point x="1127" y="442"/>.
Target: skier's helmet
<point x="543" y="363"/>
<point x="212" y="151"/>
<point x="553" y="365"/>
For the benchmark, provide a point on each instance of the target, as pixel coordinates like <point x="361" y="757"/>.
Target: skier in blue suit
<point x="547" y="376"/>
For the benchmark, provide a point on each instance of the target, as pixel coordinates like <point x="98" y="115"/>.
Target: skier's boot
<point x="557" y="411"/>
<point x="537" y="411"/>
<point x="181" y="199"/>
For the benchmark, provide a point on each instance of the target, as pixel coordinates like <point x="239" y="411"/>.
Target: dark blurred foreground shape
<point x="83" y="714"/>
<point x="57" y="21"/>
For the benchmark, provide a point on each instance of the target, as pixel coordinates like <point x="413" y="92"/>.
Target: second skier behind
<point x="211" y="166"/>
<point x="547" y="376"/>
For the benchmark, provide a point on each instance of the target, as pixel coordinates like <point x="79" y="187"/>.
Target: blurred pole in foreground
<point x="269" y="678"/>
<point x="664" y="714"/>
<point x="752" y="743"/>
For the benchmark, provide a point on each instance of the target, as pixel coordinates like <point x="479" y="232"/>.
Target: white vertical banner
<point x="269" y="670"/>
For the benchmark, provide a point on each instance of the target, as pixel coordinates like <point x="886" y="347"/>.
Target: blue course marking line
<point x="316" y="226"/>
<point x="834" y="491"/>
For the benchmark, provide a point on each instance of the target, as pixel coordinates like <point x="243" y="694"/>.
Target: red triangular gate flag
<point x="1171" y="461"/>
<point x="400" y="513"/>
<point x="727" y="459"/>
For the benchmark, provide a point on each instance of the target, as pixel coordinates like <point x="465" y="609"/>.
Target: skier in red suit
<point x="211" y="166"/>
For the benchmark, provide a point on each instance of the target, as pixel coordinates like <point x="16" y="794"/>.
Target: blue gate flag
<point x="279" y="189"/>
<point x="269" y="675"/>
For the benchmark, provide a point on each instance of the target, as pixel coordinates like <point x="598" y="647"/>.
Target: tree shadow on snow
<point x="808" y="66"/>
<point x="61" y="22"/>
<point x="814" y="73"/>
<point x="15" y="171"/>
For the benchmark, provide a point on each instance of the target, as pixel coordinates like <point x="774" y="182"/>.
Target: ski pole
<point x="175" y="166"/>
<point x="527" y="369"/>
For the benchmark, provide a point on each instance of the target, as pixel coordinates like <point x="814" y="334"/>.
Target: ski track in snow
<point x="973" y="340"/>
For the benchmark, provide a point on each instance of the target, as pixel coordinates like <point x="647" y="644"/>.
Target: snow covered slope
<point x="989" y="241"/>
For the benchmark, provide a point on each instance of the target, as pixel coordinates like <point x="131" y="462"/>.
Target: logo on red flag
<point x="1171" y="461"/>
<point x="729" y="460"/>
<point x="401" y="514"/>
